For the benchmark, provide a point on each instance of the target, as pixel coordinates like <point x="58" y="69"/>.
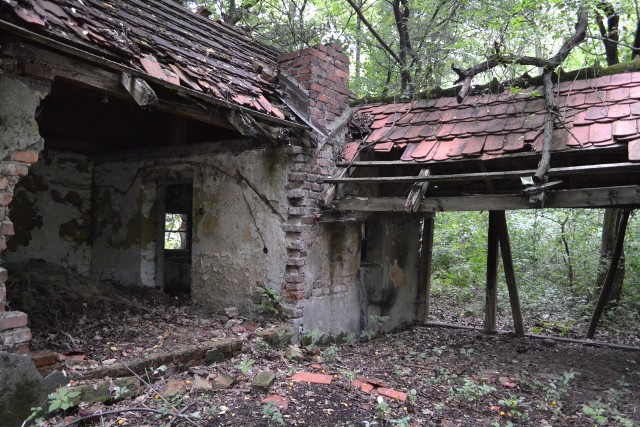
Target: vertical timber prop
<point x="426" y="258"/>
<point x="611" y="274"/>
<point x="509" y="272"/>
<point x="491" y="299"/>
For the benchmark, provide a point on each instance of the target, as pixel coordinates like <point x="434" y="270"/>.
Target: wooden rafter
<point x="416" y="193"/>
<point x="571" y="170"/>
<point x="581" y="198"/>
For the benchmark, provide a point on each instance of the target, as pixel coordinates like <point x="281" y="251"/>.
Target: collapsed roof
<point x="163" y="40"/>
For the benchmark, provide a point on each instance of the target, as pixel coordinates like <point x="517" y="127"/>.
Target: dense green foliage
<point x="556" y="282"/>
<point x="418" y="41"/>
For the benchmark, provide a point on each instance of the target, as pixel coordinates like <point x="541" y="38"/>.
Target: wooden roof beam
<point x="582" y="198"/>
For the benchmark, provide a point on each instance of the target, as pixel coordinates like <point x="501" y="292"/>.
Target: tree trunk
<point x="610" y="226"/>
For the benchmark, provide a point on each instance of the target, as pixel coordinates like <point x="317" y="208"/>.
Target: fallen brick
<point x="280" y="401"/>
<point x="312" y="378"/>
<point x="393" y="394"/>
<point x="43" y="358"/>
<point x="263" y="380"/>
<point x="362" y="386"/>
<point x="173" y="387"/>
<point x="373" y="381"/>
<point x="223" y="381"/>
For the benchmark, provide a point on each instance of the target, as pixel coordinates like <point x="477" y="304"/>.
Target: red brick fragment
<point x="507" y="382"/>
<point x="393" y="394"/>
<point x="279" y="401"/>
<point x="362" y="386"/>
<point x="312" y="378"/>
<point x="43" y="358"/>
<point x="12" y="320"/>
<point x="373" y="381"/>
<point x="26" y="156"/>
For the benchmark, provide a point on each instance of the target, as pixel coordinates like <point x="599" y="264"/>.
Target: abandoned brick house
<point x="113" y="119"/>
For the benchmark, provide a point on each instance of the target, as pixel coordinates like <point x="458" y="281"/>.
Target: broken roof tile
<point x="350" y="150"/>
<point x="151" y="66"/>
<point x="406" y="154"/>
<point x="383" y="147"/>
<point x="559" y="139"/>
<point x="378" y="134"/>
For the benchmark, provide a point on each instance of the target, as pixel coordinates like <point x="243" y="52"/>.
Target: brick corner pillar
<point x="322" y="72"/>
<point x="316" y="81"/>
<point x="20" y="144"/>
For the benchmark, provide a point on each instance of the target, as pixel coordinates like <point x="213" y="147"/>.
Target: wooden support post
<point x="509" y="272"/>
<point x="417" y="192"/>
<point x="424" y="279"/>
<point x="491" y="300"/>
<point x="611" y="273"/>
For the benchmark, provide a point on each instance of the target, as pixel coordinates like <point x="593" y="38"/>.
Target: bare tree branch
<point x="375" y="34"/>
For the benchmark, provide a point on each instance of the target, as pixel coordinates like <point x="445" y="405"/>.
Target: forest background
<point x="403" y="49"/>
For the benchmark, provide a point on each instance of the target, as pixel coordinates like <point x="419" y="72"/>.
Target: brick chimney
<point x="317" y="82"/>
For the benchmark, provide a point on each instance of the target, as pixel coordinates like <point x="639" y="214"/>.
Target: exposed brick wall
<point x="323" y="71"/>
<point x="14" y="333"/>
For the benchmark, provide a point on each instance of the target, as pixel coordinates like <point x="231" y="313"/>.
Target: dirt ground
<point x="450" y="377"/>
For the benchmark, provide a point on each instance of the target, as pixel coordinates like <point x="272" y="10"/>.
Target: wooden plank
<point x="611" y="273"/>
<point x="331" y="190"/>
<point x="139" y="90"/>
<point x="580" y="198"/>
<point x="416" y="193"/>
<point x="491" y="288"/>
<point x="426" y="261"/>
<point x="509" y="272"/>
<point x="571" y="170"/>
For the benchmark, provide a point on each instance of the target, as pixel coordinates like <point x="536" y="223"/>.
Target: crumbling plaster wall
<point x="237" y="237"/>
<point x="334" y="302"/>
<point x="51" y="212"/>
<point x="20" y="143"/>
<point x="238" y="242"/>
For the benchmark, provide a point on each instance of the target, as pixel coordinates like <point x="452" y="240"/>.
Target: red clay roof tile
<point x="579" y="136"/>
<point x="634" y="150"/>
<point x="474" y="146"/>
<point x="350" y="150"/>
<point x="440" y="150"/>
<point x="378" y="134"/>
<point x="513" y="142"/>
<point x="597" y="112"/>
<point x="618" y="94"/>
<point x="424" y="149"/>
<point x="383" y="146"/>
<point x="618" y="111"/>
<point x="493" y="125"/>
<point x="494" y="143"/>
<point x="456" y="147"/>
<point x="406" y="154"/>
<point x="600" y="132"/>
<point x="624" y="128"/>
